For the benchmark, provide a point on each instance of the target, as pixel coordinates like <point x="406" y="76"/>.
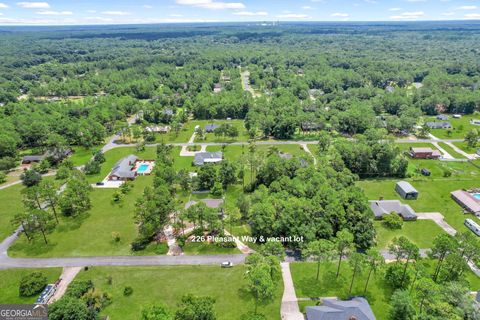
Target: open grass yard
<point x="420" y="232"/>
<point x="211" y="137"/>
<point x="378" y="292"/>
<point x="460" y="126"/>
<point x="82" y="155"/>
<point x="306" y="286"/>
<point x="406" y="146"/>
<point x="464" y="146"/>
<point x="437" y="168"/>
<point x="434" y="194"/>
<point x="10" y="280"/>
<point x="450" y="150"/>
<point x="11" y="200"/>
<point x="90" y="234"/>
<point x="166" y="286"/>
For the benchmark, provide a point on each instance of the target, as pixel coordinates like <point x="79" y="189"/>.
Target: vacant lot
<point x="421" y="232"/>
<point x="460" y="127"/>
<point x="166" y="286"/>
<point x="10" y="280"/>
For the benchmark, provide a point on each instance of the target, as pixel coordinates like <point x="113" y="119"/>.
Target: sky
<point x="81" y="12"/>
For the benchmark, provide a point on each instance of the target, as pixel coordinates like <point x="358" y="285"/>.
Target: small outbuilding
<point x="406" y="190"/>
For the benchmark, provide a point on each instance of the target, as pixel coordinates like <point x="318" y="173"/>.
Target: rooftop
<point x="205" y="157"/>
<point x="334" y="309"/>
<point x="123" y="168"/>
<point x="406" y="187"/>
<point x="383" y="207"/>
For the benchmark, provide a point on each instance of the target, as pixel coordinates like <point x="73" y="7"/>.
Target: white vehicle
<point x="472" y="225"/>
<point x="227" y="264"/>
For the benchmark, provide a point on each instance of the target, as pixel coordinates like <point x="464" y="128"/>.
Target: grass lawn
<point x="306" y="286"/>
<point x="407" y="146"/>
<point x="420" y="232"/>
<point x="196" y="248"/>
<point x="90" y="234"/>
<point x="82" y="155"/>
<point x="460" y="127"/>
<point x="166" y="286"/>
<point x="464" y="146"/>
<point x="10" y="280"/>
<point x="434" y="191"/>
<point x="11" y="200"/>
<point x="450" y="150"/>
<point x="378" y="293"/>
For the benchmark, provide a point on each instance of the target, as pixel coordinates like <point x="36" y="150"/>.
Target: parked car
<point x="426" y="172"/>
<point x="227" y="264"/>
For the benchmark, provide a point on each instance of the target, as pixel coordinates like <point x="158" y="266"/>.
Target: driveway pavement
<point x="289" y="309"/>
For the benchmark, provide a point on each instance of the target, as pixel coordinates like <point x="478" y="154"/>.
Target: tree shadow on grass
<point x="71" y="223"/>
<point x="36" y="247"/>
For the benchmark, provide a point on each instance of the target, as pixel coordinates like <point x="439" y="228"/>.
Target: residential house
<point x="123" y="169"/>
<point x="467" y="201"/>
<point x="217" y="87"/>
<point x="475" y="122"/>
<point x="406" y="190"/>
<point x="424" y="153"/>
<point x="382" y="207"/>
<point x="211" y="203"/>
<point x="334" y="309"/>
<point x="209" y="128"/>
<point x="310" y="126"/>
<point x="202" y="158"/>
<point x="158" y="129"/>
<point x="442" y="117"/>
<point x="439" y="125"/>
<point x="32" y="159"/>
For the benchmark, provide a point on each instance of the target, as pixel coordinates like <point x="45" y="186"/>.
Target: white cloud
<point x="395" y="9"/>
<point x="251" y="14"/>
<point x="307" y="8"/>
<point x="3" y="6"/>
<point x="447" y="14"/>
<point x="293" y="16"/>
<point x="92" y="11"/>
<point x="116" y="13"/>
<point x="409" y="15"/>
<point x="174" y="15"/>
<point x="33" y="5"/>
<point x="468" y="8"/>
<point x="147" y="6"/>
<point x="55" y="13"/>
<point x="210" y="4"/>
<point x="340" y="14"/>
<point x="472" y="16"/>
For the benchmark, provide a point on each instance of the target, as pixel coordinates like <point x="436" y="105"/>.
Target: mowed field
<point x="10" y="280"/>
<point x="166" y="285"/>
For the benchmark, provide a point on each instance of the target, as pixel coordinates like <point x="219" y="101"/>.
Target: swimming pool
<point x="142" y="168"/>
<point x="476" y="196"/>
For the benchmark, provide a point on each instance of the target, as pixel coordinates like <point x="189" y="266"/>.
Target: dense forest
<point x="339" y="78"/>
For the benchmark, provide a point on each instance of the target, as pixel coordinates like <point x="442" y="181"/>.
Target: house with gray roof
<point x="382" y="207"/>
<point x="406" y="190"/>
<point x="334" y="309"/>
<point x="207" y="157"/>
<point x="211" y="203"/>
<point x="209" y="128"/>
<point x="442" y="117"/>
<point x="439" y="125"/>
<point x="467" y="201"/>
<point x="32" y="159"/>
<point x="123" y="169"/>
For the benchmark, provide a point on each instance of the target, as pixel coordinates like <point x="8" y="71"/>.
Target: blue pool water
<point x="476" y="196"/>
<point x="142" y="168"/>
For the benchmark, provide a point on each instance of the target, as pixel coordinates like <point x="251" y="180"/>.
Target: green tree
<point x="443" y="245"/>
<point x="196" y="308"/>
<point x="401" y="306"/>
<point x="357" y="262"/>
<point x="344" y="244"/>
<point x="260" y="284"/>
<point x="156" y="312"/>
<point x="374" y="260"/>
<point x="70" y="308"/>
<point x="320" y="251"/>
<point x="30" y="178"/>
<point x="31" y="284"/>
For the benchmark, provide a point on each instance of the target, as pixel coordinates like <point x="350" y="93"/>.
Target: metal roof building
<point x="406" y="190"/>
<point x="207" y="157"/>
<point x="382" y="207"/>
<point x="334" y="309"/>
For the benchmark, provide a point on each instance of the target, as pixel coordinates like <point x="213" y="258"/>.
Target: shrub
<point x="7" y="163"/>
<point x="447" y="173"/>
<point x="78" y="288"/>
<point x="127" y="291"/>
<point x="217" y="189"/>
<point x="92" y="167"/>
<point x="139" y="244"/>
<point x="3" y="177"/>
<point x="393" y="221"/>
<point x="32" y="284"/>
<point x="394" y="275"/>
<point x="116" y="236"/>
<point x="30" y="178"/>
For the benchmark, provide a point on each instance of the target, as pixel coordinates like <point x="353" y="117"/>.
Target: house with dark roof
<point x="442" y="117"/>
<point x="32" y="159"/>
<point x="123" y="169"/>
<point x="380" y="208"/>
<point x="439" y="125"/>
<point x="202" y="158"/>
<point x="209" y="128"/>
<point x="211" y="203"/>
<point x="406" y="190"/>
<point x="334" y="309"/>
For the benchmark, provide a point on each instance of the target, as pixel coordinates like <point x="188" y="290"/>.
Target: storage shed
<point x="406" y="190"/>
